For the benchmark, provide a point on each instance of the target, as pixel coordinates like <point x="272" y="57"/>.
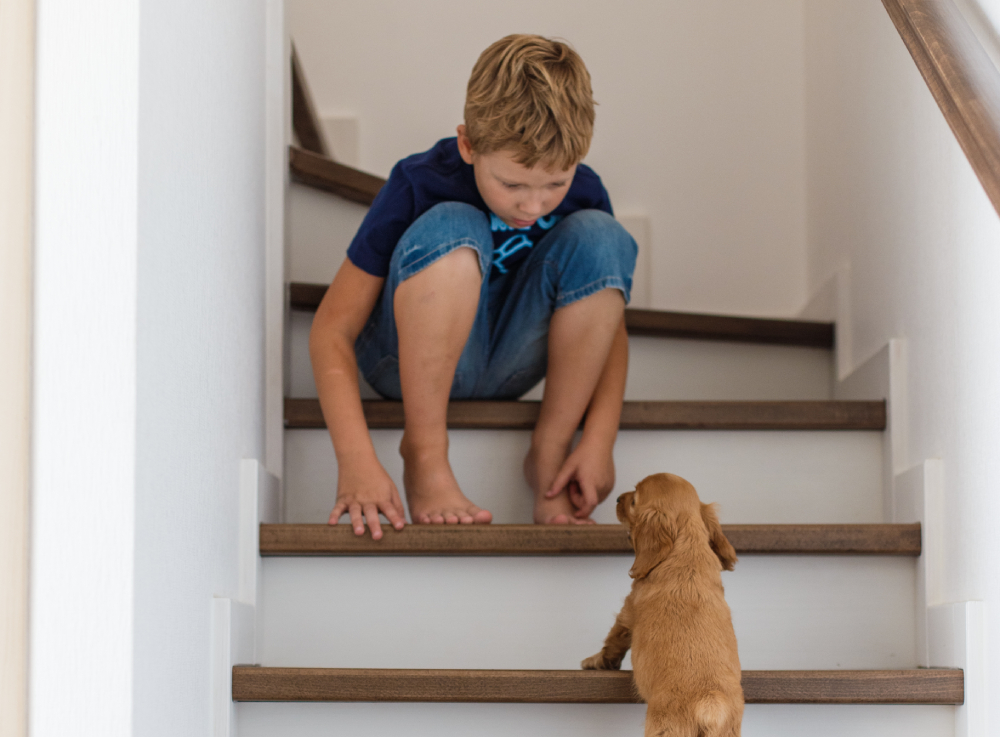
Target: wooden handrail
<point x="320" y="172"/>
<point x="964" y="81"/>
<point x="305" y="121"/>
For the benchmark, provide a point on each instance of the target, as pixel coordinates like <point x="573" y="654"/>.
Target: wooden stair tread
<point x="664" y="324"/>
<point x="787" y="539"/>
<point x="253" y="683"/>
<point x="683" y="415"/>
<point x="316" y="170"/>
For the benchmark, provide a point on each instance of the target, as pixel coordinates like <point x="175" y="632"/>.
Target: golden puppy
<point x="676" y="619"/>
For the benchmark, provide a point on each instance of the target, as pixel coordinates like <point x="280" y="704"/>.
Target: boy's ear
<point x="464" y="145"/>
<point x="721" y="546"/>
<point x="652" y="542"/>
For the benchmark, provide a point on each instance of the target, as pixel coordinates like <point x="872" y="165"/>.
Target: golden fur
<point x="676" y="619"/>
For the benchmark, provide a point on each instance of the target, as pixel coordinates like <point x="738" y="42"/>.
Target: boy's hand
<point x="587" y="476"/>
<point x="363" y="493"/>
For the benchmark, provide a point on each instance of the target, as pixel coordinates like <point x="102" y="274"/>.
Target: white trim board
<point x="234" y="621"/>
<point x="956" y="636"/>
<point x="949" y="634"/>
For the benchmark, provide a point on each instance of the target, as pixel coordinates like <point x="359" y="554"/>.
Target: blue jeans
<point x="507" y="350"/>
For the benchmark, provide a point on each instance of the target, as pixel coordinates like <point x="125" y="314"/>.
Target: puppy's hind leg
<point x="616" y="644"/>
<point x="669" y="721"/>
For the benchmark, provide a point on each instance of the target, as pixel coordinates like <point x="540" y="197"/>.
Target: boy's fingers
<point x="337" y="513"/>
<point x="587" y="500"/>
<point x="394" y="516"/>
<point x="562" y="478"/>
<point x="371" y="515"/>
<point x="357" y="522"/>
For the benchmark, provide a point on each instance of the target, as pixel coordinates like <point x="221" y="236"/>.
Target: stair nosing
<point x="900" y="686"/>
<point x="305" y="413"/>
<point x="668" y="324"/>
<point x="550" y="540"/>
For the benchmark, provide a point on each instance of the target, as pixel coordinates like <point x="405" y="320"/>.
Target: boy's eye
<point x="508" y="185"/>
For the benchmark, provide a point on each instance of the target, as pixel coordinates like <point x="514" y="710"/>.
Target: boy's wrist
<point x="599" y="435"/>
<point x="359" y="457"/>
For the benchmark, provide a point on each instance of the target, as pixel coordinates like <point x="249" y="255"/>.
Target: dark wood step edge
<point x="489" y="415"/>
<point x="789" y="539"/>
<point x="317" y="171"/>
<point x="663" y="324"/>
<point x="251" y="683"/>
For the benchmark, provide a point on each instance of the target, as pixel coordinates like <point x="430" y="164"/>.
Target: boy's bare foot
<point x="540" y="469"/>
<point x="432" y="493"/>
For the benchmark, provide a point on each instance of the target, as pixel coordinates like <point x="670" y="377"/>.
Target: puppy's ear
<point x="652" y="542"/>
<point x="721" y="546"/>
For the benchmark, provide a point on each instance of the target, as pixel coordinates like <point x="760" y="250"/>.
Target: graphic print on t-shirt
<point x="524" y="238"/>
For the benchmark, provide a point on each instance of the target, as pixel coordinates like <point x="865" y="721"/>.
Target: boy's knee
<point x="442" y="230"/>
<point x="604" y="237"/>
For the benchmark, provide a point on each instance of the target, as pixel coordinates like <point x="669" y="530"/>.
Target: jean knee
<point x="606" y="236"/>
<point x="592" y="251"/>
<point x="439" y="231"/>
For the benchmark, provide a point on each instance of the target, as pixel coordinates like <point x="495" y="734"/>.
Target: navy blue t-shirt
<point x="419" y="182"/>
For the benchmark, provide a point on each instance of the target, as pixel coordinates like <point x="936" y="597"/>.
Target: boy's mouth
<point x="523" y="223"/>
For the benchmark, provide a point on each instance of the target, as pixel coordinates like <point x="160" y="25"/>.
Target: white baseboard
<point x="234" y="625"/>
<point x="948" y="634"/>
<point x="232" y="644"/>
<point x="957" y="639"/>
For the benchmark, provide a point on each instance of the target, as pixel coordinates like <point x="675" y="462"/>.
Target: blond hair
<point x="532" y="96"/>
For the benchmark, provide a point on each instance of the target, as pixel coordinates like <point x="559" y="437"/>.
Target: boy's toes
<point x="450" y="518"/>
<point x="481" y="516"/>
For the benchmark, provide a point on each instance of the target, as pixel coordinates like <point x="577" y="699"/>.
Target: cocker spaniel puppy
<point x="676" y="619"/>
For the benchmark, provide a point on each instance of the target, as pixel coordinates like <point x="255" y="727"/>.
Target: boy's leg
<point x="564" y="309"/>
<point x="435" y="310"/>
<point x="580" y="339"/>
<point x="415" y="336"/>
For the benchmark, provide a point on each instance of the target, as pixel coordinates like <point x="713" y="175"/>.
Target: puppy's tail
<point x="712" y="714"/>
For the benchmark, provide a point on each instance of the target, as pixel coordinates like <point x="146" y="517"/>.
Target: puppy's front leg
<point x="616" y="644"/>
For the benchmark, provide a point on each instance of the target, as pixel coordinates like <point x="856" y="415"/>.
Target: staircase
<point x="480" y="630"/>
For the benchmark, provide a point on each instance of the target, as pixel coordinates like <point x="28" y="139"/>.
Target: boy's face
<point x="513" y="192"/>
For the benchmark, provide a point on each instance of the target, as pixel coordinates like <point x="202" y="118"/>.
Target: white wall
<point x="17" y="93"/>
<point x="200" y="357"/>
<point x="700" y="120"/>
<point x="893" y="199"/>
<point x="149" y="372"/>
<point x="85" y="368"/>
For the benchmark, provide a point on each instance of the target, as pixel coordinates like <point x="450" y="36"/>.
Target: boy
<point x="484" y="264"/>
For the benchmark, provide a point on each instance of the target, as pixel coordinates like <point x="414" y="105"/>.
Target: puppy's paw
<point x="599" y="662"/>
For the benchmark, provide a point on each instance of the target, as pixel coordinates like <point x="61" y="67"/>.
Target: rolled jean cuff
<point x="608" y="282"/>
<point x="422" y="258"/>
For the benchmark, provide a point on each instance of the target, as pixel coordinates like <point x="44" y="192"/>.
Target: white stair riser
<point x="757" y="477"/>
<point x="578" y="720"/>
<point x="662" y="368"/>
<point x="321" y="227"/>
<point x="551" y="612"/>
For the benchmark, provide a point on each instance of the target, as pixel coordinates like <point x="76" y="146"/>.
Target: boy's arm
<point x="605" y="410"/>
<point x="588" y="474"/>
<point x="363" y="487"/>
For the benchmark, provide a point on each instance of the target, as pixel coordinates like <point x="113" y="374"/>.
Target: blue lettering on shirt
<point x="509" y="247"/>
<point x="518" y="242"/>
